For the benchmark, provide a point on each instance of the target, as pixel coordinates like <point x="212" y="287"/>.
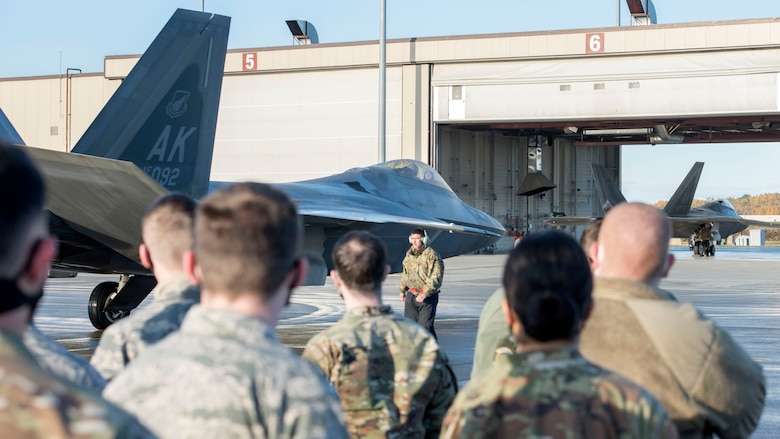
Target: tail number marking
<point x="164" y="175"/>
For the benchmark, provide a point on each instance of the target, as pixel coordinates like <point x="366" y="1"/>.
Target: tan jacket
<point x="705" y="380"/>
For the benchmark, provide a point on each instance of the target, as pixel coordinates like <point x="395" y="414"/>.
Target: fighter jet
<point x="389" y="199"/>
<point x="156" y="134"/>
<point x="718" y="217"/>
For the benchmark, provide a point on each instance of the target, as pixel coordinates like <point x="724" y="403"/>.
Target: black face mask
<point x="11" y="297"/>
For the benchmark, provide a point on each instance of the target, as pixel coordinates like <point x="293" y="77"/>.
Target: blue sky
<point x="47" y="36"/>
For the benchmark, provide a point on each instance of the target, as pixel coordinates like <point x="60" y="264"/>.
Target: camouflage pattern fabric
<point x="54" y="358"/>
<point x="554" y="394"/>
<point x="391" y="376"/>
<point x="37" y="404"/>
<point x="423" y="270"/>
<point x="127" y="338"/>
<point x="226" y="375"/>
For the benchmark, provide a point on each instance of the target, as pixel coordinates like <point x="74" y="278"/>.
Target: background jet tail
<point x="680" y="203"/>
<point x="164" y="115"/>
<point x="7" y="131"/>
<point x="608" y="191"/>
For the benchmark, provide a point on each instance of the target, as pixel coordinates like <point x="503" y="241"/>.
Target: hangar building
<point x="502" y="117"/>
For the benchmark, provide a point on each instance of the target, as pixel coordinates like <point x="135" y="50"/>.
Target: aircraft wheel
<point x="101" y="296"/>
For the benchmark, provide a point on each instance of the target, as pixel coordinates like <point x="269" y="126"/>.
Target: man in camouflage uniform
<point x="36" y="403"/>
<point x="224" y="373"/>
<point x="391" y="376"/>
<point x="546" y="388"/>
<point x="166" y="230"/>
<point x="423" y="271"/>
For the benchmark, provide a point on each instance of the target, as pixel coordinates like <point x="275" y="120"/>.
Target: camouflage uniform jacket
<point x="125" y="339"/>
<point x="391" y="376"/>
<point x="423" y="270"/>
<point x="226" y="375"/>
<point x="37" y="404"/>
<point x="554" y="394"/>
<point x="53" y="357"/>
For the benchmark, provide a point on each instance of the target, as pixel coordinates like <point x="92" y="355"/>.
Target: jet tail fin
<point x="680" y="203"/>
<point x="7" y="131"/>
<point x="163" y="117"/>
<point x="608" y="191"/>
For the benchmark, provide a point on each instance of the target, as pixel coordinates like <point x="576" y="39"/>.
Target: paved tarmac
<point x="739" y="289"/>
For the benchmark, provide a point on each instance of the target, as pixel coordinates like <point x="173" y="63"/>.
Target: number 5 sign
<point x="250" y="61"/>
<point x="594" y="43"/>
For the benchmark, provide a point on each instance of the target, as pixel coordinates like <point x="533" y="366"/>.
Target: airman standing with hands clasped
<point x="423" y="271"/>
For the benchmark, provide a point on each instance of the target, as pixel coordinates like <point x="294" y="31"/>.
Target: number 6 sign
<point x="594" y="43"/>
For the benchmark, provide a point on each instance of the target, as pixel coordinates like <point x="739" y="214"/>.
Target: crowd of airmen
<point x="579" y="343"/>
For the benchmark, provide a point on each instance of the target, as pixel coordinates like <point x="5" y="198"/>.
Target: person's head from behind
<point x="25" y="247"/>
<point x="418" y="238"/>
<point x="633" y="244"/>
<point x="166" y="229"/>
<point x="247" y="241"/>
<point x="360" y="263"/>
<point x="548" y="287"/>
<point x="589" y="241"/>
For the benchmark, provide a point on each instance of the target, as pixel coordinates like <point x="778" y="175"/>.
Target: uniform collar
<point x="206" y="321"/>
<point x="612" y="287"/>
<point x="415" y="252"/>
<point x="545" y="360"/>
<point x="177" y="289"/>
<point x="369" y="311"/>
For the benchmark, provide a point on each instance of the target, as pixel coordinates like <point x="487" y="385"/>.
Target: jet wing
<point x="699" y="219"/>
<point x="757" y="223"/>
<point x="346" y="217"/>
<point x="103" y="199"/>
<point x="569" y="220"/>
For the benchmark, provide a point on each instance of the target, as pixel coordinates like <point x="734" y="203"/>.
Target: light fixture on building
<point x="303" y="32"/>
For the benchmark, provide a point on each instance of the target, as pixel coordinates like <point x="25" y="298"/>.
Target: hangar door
<point x="291" y="126"/>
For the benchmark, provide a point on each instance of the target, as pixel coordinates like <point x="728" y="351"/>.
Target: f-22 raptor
<point x="156" y="134"/>
<point x="718" y="219"/>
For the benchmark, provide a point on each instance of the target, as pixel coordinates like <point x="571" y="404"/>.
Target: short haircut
<point x="247" y="239"/>
<point x="418" y="231"/>
<point x="167" y="229"/>
<point x="22" y="198"/>
<point x="360" y="259"/>
<point x="548" y="285"/>
<point x="590" y="234"/>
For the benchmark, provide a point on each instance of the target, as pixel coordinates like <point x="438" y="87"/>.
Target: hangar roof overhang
<point x="717" y="96"/>
<point x="741" y="129"/>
